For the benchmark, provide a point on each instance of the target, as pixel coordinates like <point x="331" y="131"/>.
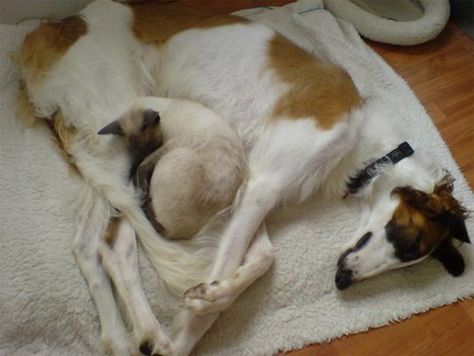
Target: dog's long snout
<point x="340" y="261"/>
<point x="343" y="275"/>
<point x="343" y="278"/>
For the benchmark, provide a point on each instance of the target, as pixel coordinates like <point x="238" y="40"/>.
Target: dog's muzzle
<point x="343" y="278"/>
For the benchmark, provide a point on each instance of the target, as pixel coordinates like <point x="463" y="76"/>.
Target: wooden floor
<point x="441" y="73"/>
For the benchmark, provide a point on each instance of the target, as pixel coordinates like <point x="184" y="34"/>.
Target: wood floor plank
<point x="430" y="68"/>
<point x="468" y="307"/>
<point x="456" y="107"/>
<point x="451" y="39"/>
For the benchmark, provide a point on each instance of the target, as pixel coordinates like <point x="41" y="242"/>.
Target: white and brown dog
<point x="303" y="124"/>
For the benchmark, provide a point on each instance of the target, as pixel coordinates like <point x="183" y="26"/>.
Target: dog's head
<point x="404" y="229"/>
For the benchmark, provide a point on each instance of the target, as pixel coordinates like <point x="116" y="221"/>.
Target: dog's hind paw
<point x="156" y="344"/>
<point x="208" y="297"/>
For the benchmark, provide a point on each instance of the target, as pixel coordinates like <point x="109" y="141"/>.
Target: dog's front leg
<point x="120" y="260"/>
<point x="258" y="198"/>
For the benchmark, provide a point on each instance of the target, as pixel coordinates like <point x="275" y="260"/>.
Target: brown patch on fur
<point x="423" y="220"/>
<point x="318" y="90"/>
<point x="440" y="202"/>
<point x="111" y="232"/>
<point x="413" y="233"/>
<point x="156" y="23"/>
<point x="43" y="47"/>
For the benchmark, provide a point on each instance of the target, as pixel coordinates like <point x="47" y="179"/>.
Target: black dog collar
<point x="365" y="175"/>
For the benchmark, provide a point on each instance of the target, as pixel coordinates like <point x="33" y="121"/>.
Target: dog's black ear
<point x="456" y="225"/>
<point x="113" y="128"/>
<point x="459" y="231"/>
<point x="452" y="214"/>
<point x="150" y="118"/>
<point x="451" y="259"/>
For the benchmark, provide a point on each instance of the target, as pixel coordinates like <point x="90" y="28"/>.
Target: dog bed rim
<point x="373" y="27"/>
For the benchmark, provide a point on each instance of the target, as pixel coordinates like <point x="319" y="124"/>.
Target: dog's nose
<point x="343" y="279"/>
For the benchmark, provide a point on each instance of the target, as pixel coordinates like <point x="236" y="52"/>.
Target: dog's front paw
<point x="208" y="297"/>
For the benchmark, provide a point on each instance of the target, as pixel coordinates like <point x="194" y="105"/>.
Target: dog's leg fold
<point x="120" y="260"/>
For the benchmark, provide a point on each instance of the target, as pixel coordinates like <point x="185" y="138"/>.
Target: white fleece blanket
<point x="45" y="308"/>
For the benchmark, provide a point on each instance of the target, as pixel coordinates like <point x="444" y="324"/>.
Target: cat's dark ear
<point x="113" y="128"/>
<point x="150" y="119"/>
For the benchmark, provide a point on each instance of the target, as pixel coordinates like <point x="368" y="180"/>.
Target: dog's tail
<point x="180" y="265"/>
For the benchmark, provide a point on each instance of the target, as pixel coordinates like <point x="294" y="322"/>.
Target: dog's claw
<point x="146" y="347"/>
<point x="206" y="298"/>
<point x="153" y="345"/>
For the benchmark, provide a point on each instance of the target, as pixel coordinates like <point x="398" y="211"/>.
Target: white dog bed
<point x="45" y="307"/>
<point x="400" y="22"/>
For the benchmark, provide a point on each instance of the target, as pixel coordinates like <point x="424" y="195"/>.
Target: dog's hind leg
<point x="218" y="295"/>
<point x="119" y="256"/>
<point x="86" y="251"/>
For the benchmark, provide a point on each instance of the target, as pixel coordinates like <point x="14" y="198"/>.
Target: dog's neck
<point x="365" y="175"/>
<point x="378" y="136"/>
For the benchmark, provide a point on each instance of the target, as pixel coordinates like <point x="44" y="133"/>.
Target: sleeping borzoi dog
<point x="303" y="124"/>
